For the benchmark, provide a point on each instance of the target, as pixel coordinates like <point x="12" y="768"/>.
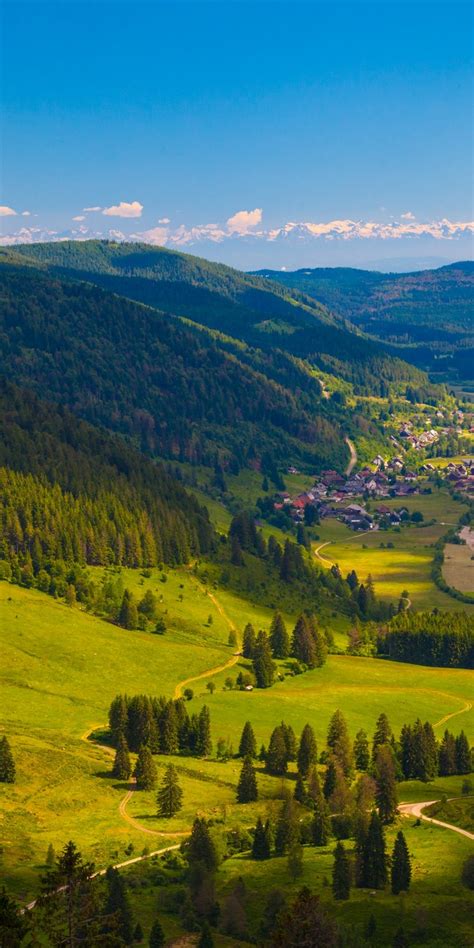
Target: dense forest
<point x="265" y="315"/>
<point x="442" y="639"/>
<point x="175" y="390"/>
<point x="73" y="494"/>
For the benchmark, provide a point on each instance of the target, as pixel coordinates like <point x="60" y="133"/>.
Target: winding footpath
<point x="353" y="459"/>
<point x="416" y="810"/>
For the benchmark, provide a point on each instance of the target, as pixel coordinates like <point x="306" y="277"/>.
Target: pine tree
<point x="236" y="555"/>
<point x="118" y="904"/>
<point x="138" y="933"/>
<point x="302" y="644"/>
<point x="287" y="828"/>
<point x="277" y="753"/>
<point x="157" y="936"/>
<point x="248" y="641"/>
<point x="261" y="843"/>
<point x="247" y="786"/>
<point x="361" y="751"/>
<point x="263" y="664"/>
<point x="170" y="794"/>
<point x="463" y="756"/>
<point x="374" y="856"/>
<point x="307" y="751"/>
<point x="401" y="866"/>
<point x="7" y="763"/>
<point x="341" y="874"/>
<point x="295" y="859"/>
<point x="145" y="770"/>
<point x="386" y="786"/>
<point x="204" y="743"/>
<point x="300" y="794"/>
<point x="122" y="767"/>
<point x="118" y="718"/>
<point x="201" y="848"/>
<point x="128" y="615"/>
<point x="306" y="923"/>
<point x="279" y="638"/>
<point x="248" y="744"/>
<point x="408" y="752"/>
<point x="169" y="740"/>
<point x="447" y="755"/>
<point x="321" y="825"/>
<point x="339" y="742"/>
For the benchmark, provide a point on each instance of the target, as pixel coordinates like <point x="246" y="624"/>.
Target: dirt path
<point x="353" y="460"/>
<point x="144" y="829"/>
<point x="219" y="668"/>
<point x="416" y="810"/>
<point x="447" y="717"/>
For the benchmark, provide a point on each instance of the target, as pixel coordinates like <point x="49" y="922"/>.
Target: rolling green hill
<point x="429" y="313"/>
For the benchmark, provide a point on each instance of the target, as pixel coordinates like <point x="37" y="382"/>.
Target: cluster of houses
<point x="461" y="475"/>
<point x="417" y="441"/>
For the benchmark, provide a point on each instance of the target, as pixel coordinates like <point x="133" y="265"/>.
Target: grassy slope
<point x="458" y="568"/>
<point x="460" y="812"/>
<point x="408" y="564"/>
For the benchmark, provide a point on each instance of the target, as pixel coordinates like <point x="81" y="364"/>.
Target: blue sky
<point x="300" y="113"/>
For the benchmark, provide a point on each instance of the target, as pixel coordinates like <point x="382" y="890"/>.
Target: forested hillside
<point x="72" y="494"/>
<point x="241" y="305"/>
<point x="430" y="312"/>
<point x="178" y="391"/>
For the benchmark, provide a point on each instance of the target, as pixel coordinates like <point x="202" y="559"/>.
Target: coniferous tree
<point x="170" y="794"/>
<point x="128" y="615"/>
<point x="306" y="923"/>
<point x="157" y="936"/>
<point x="273" y="907"/>
<point x="463" y="756"/>
<point x="248" y="641"/>
<point x="276" y="759"/>
<point x="50" y="856"/>
<point x="118" y="718"/>
<point x="302" y="643"/>
<point x="400" y="865"/>
<point x="300" y="794"/>
<point x="290" y="740"/>
<point x="248" y="744"/>
<point x="408" y="752"/>
<point x="138" y="933"/>
<point x="374" y="856"/>
<point x="201" y="848"/>
<point x="279" y="638"/>
<point x="247" y="790"/>
<point x="287" y="828"/>
<point x="7" y="763"/>
<point x="447" y="755"/>
<point x="361" y="751"/>
<point x="169" y="739"/>
<point x="339" y="743"/>
<point x="341" y="873"/>
<point x="307" y="751"/>
<point x="263" y="664"/>
<point x="261" y="842"/>
<point x="205" y="939"/>
<point x="145" y="770"/>
<point x="204" y="742"/>
<point x="386" y="786"/>
<point x="295" y="859"/>
<point x="122" y="767"/>
<point x="321" y="825"/>
<point x="118" y="904"/>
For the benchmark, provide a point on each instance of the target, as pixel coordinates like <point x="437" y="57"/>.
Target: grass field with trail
<point x="406" y="565"/>
<point x="459" y="812"/>
<point x="458" y="567"/>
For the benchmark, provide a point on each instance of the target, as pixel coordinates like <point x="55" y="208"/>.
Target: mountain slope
<point x="431" y="312"/>
<point x="177" y="390"/>
<point x="241" y="305"/>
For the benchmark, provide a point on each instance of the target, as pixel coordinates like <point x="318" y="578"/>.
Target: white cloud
<point x="80" y="217"/>
<point x="124" y="209"/>
<point x="408" y="216"/>
<point x="26" y="213"/>
<point x="7" y="211"/>
<point x="156" y="236"/>
<point x="243" y="222"/>
<point x="164" y="220"/>
<point x="90" y="210"/>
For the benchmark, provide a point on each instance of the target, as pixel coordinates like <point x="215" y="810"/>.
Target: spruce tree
<point x="248" y="744"/>
<point x="302" y="643"/>
<point x="170" y="794"/>
<point x="374" y="856"/>
<point x="400" y="865"/>
<point x="361" y="751"/>
<point x="279" y="638"/>
<point x="204" y="743"/>
<point x="248" y="641"/>
<point x="386" y="785"/>
<point x="157" y="936"/>
<point x="263" y="664"/>
<point x="463" y="756"/>
<point x="201" y="848"/>
<point x="307" y="751"/>
<point x="122" y="767"/>
<point x="169" y="740"/>
<point x="7" y="763"/>
<point x="145" y="770"/>
<point x="128" y="614"/>
<point x="295" y="859"/>
<point x="447" y="755"/>
<point x="287" y="828"/>
<point x="300" y="794"/>
<point x="118" y="904"/>
<point x="314" y="786"/>
<point x="261" y="842"/>
<point x="277" y="753"/>
<point x="341" y="874"/>
<point x="321" y="825"/>
<point x="247" y="786"/>
<point x="338" y="742"/>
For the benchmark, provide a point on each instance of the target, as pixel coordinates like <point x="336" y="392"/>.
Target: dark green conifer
<point x="361" y="751"/>
<point x="300" y="794"/>
<point x="7" y="763"/>
<point x="386" y="784"/>
<point x="248" y="744"/>
<point x="261" y="848"/>
<point x="277" y="754"/>
<point x="279" y="638"/>
<point x="307" y="751"/>
<point x="128" y="615"/>
<point x="321" y="825"/>
<point x="201" y="848"/>
<point x="204" y="743"/>
<point x="400" y="866"/>
<point x="145" y="770"/>
<point x="248" y="641"/>
<point x="157" y="936"/>
<point x="263" y="664"/>
<point x="247" y="790"/>
<point x="463" y="756"/>
<point x="122" y="767"/>
<point x="341" y="874"/>
<point x="374" y="856"/>
<point x="118" y="904"/>
<point x="170" y="795"/>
